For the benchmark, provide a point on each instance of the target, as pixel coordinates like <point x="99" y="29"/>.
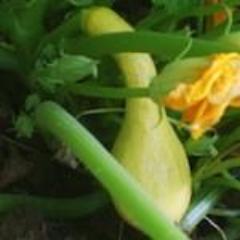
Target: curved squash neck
<point x="138" y="70"/>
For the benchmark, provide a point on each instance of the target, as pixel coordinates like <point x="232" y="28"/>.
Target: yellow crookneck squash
<point x="146" y="144"/>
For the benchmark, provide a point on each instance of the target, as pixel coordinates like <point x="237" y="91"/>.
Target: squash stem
<point x="60" y="208"/>
<point x="108" y="92"/>
<point x="53" y="118"/>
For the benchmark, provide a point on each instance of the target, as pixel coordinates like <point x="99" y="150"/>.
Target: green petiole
<point x="86" y="89"/>
<point x="54" y="207"/>
<point x="51" y="117"/>
<point x="165" y="46"/>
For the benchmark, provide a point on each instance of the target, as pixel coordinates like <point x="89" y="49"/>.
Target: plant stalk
<point x="54" y="119"/>
<point x="60" y="208"/>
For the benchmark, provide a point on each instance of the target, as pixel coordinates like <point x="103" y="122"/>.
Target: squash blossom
<point x="216" y="87"/>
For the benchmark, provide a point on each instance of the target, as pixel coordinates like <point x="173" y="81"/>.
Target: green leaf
<point x="230" y="139"/>
<point x="65" y="70"/>
<point x="24" y="126"/>
<point x="32" y="102"/>
<point x="22" y="20"/>
<point x="204" y="146"/>
<point x="231" y="180"/>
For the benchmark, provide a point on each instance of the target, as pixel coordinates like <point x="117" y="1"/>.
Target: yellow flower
<point x="205" y="100"/>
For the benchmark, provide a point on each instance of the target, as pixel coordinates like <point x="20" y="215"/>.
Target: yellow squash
<point x="146" y="145"/>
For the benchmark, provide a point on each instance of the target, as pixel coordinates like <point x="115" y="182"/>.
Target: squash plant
<point x="57" y="60"/>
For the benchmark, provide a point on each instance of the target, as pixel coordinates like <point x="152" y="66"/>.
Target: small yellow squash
<point x="146" y="144"/>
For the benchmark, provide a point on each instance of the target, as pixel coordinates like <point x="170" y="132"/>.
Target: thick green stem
<point x="165" y="46"/>
<point x="54" y="207"/>
<point x="108" y="92"/>
<point x="53" y="118"/>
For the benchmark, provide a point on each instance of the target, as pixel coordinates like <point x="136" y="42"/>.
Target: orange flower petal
<point x="204" y="102"/>
<point x="210" y="115"/>
<point x="177" y="99"/>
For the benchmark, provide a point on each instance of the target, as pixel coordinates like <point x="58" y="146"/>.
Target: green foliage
<point x="166" y="46"/>
<point x="204" y="146"/>
<point x="63" y="71"/>
<point x="175" y="6"/>
<point x="24" y="125"/>
<point x="230" y="139"/>
<point x="59" y="57"/>
<point x="32" y="102"/>
<point x="22" y="20"/>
